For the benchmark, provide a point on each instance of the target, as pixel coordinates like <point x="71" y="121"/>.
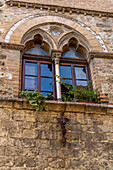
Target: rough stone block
<point x="29" y="133"/>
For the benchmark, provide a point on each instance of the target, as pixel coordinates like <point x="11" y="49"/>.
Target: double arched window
<point x="39" y="69"/>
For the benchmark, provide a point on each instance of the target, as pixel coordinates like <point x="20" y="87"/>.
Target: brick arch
<point x="16" y="32"/>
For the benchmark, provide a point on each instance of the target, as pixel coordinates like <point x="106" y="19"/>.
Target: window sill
<point x="58" y="106"/>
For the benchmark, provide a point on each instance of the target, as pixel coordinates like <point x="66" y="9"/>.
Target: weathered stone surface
<point x="18" y="162"/>
<point x="57" y="163"/>
<point x="13" y="151"/>
<point x="37" y="144"/>
<point x="30" y="162"/>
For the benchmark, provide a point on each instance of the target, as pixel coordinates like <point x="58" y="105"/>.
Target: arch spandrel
<point x="15" y="34"/>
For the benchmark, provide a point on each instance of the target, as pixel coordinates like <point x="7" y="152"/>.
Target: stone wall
<point x="84" y="4"/>
<point x="102" y="76"/>
<point x="33" y="141"/>
<point x="96" y="24"/>
<point x="10" y="73"/>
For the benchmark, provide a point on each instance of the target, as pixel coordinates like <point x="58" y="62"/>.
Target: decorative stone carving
<point x="12" y="46"/>
<point x="56" y="55"/>
<point x="56" y="30"/>
<point x="16" y="25"/>
<point x="60" y="9"/>
<point x="36" y="30"/>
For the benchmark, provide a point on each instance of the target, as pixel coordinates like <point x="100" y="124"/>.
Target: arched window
<point x="72" y="53"/>
<point x="74" y="68"/>
<point x="38" y="68"/>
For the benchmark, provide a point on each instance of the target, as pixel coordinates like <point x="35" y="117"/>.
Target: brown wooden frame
<point x="76" y="62"/>
<point x="39" y="59"/>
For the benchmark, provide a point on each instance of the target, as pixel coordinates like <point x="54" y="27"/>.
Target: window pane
<point x="30" y="83"/>
<point x="46" y="84"/>
<point x="83" y="83"/>
<point x="67" y="81"/>
<point x="46" y="70"/>
<point x="80" y="73"/>
<point x="31" y="68"/>
<point x="65" y="71"/>
<point x="72" y="53"/>
<point x="37" y="50"/>
<point x="45" y="93"/>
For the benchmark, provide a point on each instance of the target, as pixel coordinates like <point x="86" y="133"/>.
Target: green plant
<point x="82" y="93"/>
<point x="35" y="99"/>
<point x="49" y="97"/>
<point x="67" y="97"/>
<point x="79" y="93"/>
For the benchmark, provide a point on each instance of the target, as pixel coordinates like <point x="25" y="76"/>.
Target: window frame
<point x="76" y="62"/>
<point x="39" y="59"/>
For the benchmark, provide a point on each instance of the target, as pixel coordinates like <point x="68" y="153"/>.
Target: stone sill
<point x="58" y="106"/>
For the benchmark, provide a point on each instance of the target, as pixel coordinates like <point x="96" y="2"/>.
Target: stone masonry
<point x="33" y="141"/>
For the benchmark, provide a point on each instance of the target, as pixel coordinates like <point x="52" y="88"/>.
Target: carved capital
<point x="56" y="55"/>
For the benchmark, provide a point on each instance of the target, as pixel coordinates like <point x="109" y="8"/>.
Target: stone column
<point x="56" y="55"/>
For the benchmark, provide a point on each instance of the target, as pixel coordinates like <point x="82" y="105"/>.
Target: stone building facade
<point x="31" y="140"/>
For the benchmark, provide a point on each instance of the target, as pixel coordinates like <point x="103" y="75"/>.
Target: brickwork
<point x="10" y="73"/>
<point x="30" y="140"/>
<point x="102" y="73"/>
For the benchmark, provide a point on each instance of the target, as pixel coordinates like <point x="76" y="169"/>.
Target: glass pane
<point x="65" y="71"/>
<point x="46" y="70"/>
<point x="72" y="53"/>
<point x="37" y="50"/>
<point x="31" y="68"/>
<point x="45" y="93"/>
<point x="46" y="84"/>
<point x="30" y="83"/>
<point x="83" y="83"/>
<point x="80" y="73"/>
<point x="67" y="81"/>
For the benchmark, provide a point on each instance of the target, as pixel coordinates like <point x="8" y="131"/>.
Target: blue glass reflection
<point x="31" y="68"/>
<point x="83" y="83"/>
<point x="46" y="84"/>
<point x="46" y="70"/>
<point x="65" y="71"/>
<point x="45" y="93"/>
<point x="67" y="81"/>
<point x="30" y="83"/>
<point x="72" y="53"/>
<point x="80" y="73"/>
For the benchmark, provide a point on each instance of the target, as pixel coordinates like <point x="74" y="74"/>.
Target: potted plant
<point x="80" y="93"/>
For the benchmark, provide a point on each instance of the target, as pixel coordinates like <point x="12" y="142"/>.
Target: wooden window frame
<point x="78" y="62"/>
<point x="39" y="59"/>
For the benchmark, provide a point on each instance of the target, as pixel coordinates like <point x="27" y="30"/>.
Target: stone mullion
<point x="56" y="55"/>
